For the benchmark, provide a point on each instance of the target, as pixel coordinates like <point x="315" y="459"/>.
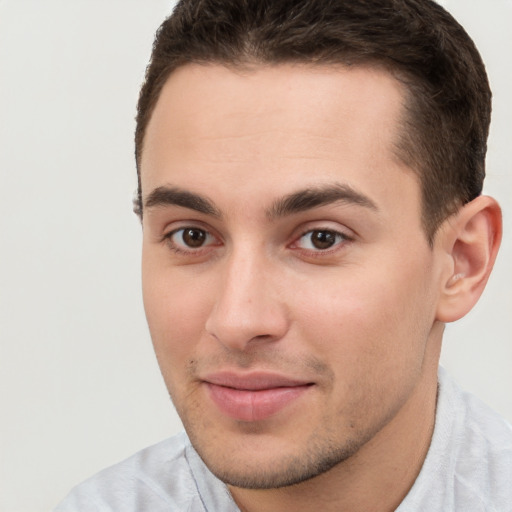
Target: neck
<point x="377" y="477"/>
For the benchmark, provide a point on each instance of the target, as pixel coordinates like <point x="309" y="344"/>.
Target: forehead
<point x="273" y="127"/>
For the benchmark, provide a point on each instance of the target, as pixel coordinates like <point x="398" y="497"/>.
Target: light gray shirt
<point x="468" y="468"/>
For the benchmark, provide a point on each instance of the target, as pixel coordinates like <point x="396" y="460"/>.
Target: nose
<point x="248" y="307"/>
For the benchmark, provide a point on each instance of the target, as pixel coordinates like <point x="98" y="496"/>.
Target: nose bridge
<point x="247" y="307"/>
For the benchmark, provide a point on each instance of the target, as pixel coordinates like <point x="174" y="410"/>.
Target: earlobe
<point x="471" y="239"/>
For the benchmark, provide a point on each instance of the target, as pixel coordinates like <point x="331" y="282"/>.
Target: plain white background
<point x="80" y="388"/>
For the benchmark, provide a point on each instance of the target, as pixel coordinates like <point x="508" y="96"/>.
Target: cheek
<point x="176" y="310"/>
<point x="369" y="322"/>
<point x="373" y="336"/>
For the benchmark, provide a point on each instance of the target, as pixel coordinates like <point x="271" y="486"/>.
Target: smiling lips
<point x="253" y="397"/>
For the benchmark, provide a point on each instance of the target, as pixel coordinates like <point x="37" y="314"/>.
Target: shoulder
<point x="469" y="464"/>
<point x="483" y="469"/>
<point x="156" y="478"/>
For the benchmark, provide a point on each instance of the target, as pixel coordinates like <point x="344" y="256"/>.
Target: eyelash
<point x="340" y="240"/>
<point x="168" y="238"/>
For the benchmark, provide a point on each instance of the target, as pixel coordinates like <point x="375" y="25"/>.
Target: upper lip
<point x="254" y="381"/>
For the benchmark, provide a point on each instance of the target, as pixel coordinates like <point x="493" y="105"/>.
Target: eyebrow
<point x="168" y="196"/>
<point x="313" y="197"/>
<point x="296" y="202"/>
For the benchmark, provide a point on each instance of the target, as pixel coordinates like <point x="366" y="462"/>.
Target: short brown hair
<point x="447" y="114"/>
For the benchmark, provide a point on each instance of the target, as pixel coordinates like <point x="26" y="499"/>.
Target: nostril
<point x="262" y="337"/>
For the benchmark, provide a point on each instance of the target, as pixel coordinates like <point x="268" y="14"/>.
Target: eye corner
<point x="321" y="241"/>
<point x="190" y="240"/>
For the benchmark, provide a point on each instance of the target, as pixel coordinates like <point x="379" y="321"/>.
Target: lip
<point x="254" y="396"/>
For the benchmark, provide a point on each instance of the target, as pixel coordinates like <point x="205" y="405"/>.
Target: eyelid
<point x="176" y="225"/>
<point x="347" y="236"/>
<point x="215" y="239"/>
<point x="167" y="238"/>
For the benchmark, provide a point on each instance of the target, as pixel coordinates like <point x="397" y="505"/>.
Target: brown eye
<point x="189" y="239"/>
<point x="320" y="239"/>
<point x="323" y="239"/>
<point x="193" y="237"/>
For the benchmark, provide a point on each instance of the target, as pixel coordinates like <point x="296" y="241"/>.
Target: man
<point x="310" y="179"/>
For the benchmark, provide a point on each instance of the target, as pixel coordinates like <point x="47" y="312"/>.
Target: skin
<point x="360" y="321"/>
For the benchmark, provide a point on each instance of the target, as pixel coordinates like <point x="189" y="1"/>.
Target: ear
<point x="471" y="239"/>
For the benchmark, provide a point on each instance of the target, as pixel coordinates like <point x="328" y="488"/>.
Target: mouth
<point x="255" y="396"/>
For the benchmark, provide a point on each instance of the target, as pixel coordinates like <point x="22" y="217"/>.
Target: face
<point x="288" y="284"/>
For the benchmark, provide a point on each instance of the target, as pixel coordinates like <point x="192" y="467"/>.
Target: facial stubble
<point x="321" y="451"/>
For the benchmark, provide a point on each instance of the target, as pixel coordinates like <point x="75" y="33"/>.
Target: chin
<point x="271" y="468"/>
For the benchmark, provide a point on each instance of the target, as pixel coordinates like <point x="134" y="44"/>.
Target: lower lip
<point x="247" y="405"/>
